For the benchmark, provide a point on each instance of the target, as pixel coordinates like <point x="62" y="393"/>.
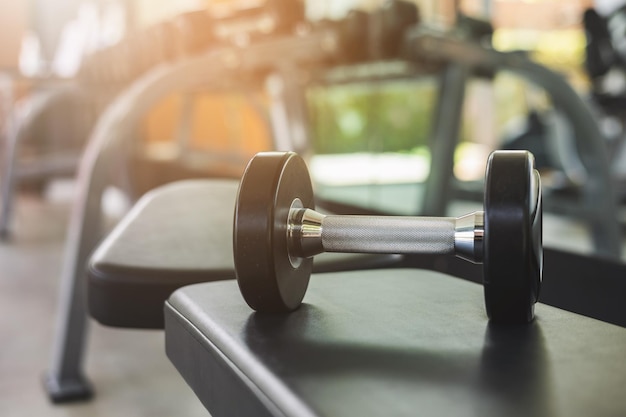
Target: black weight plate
<point x="513" y="251"/>
<point x="268" y="280"/>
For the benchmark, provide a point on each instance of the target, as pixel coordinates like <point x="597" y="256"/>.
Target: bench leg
<point x="65" y="381"/>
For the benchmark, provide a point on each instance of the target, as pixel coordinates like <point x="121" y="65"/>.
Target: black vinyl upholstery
<point x="176" y="235"/>
<point x="400" y="342"/>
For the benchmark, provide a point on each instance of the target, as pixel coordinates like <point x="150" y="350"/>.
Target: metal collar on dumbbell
<point x="469" y="231"/>
<point x="304" y="233"/>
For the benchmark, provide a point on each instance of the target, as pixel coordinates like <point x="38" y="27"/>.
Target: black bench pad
<point x="176" y="235"/>
<point x="401" y="342"/>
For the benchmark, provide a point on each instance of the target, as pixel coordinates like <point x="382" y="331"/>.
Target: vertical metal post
<point x="7" y="179"/>
<point x="487" y="9"/>
<point x="444" y="138"/>
<point x="185" y="123"/>
<point x="298" y="114"/>
<point x="288" y="112"/>
<point x="275" y="86"/>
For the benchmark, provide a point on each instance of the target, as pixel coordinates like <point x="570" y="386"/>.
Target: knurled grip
<point x="380" y="234"/>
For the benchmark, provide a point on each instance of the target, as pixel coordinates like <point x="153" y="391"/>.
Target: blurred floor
<point x="129" y="369"/>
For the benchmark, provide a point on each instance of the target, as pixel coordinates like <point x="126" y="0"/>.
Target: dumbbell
<point x="394" y="19"/>
<point x="256" y="18"/>
<point x="277" y="232"/>
<point x="378" y="34"/>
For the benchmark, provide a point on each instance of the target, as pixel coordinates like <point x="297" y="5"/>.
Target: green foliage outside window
<point x="384" y="117"/>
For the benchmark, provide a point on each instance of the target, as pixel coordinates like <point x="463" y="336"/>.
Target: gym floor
<point x="129" y="369"/>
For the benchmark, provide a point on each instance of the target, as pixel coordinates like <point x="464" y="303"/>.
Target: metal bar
<point x="281" y="132"/>
<point x="297" y="110"/>
<point x="388" y="234"/>
<point x="7" y="180"/>
<point x="185" y="123"/>
<point x="445" y="137"/>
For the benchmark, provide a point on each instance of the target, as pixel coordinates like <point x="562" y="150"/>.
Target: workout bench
<point x="176" y="235"/>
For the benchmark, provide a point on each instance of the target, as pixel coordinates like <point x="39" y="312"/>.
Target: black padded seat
<point x="401" y="342"/>
<point x="176" y="235"/>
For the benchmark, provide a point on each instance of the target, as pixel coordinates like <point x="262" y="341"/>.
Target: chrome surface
<point x="310" y="233"/>
<point x="469" y="231"/>
<point x="304" y="233"/>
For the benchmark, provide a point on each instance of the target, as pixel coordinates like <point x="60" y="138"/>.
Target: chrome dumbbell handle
<point x="311" y="233"/>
